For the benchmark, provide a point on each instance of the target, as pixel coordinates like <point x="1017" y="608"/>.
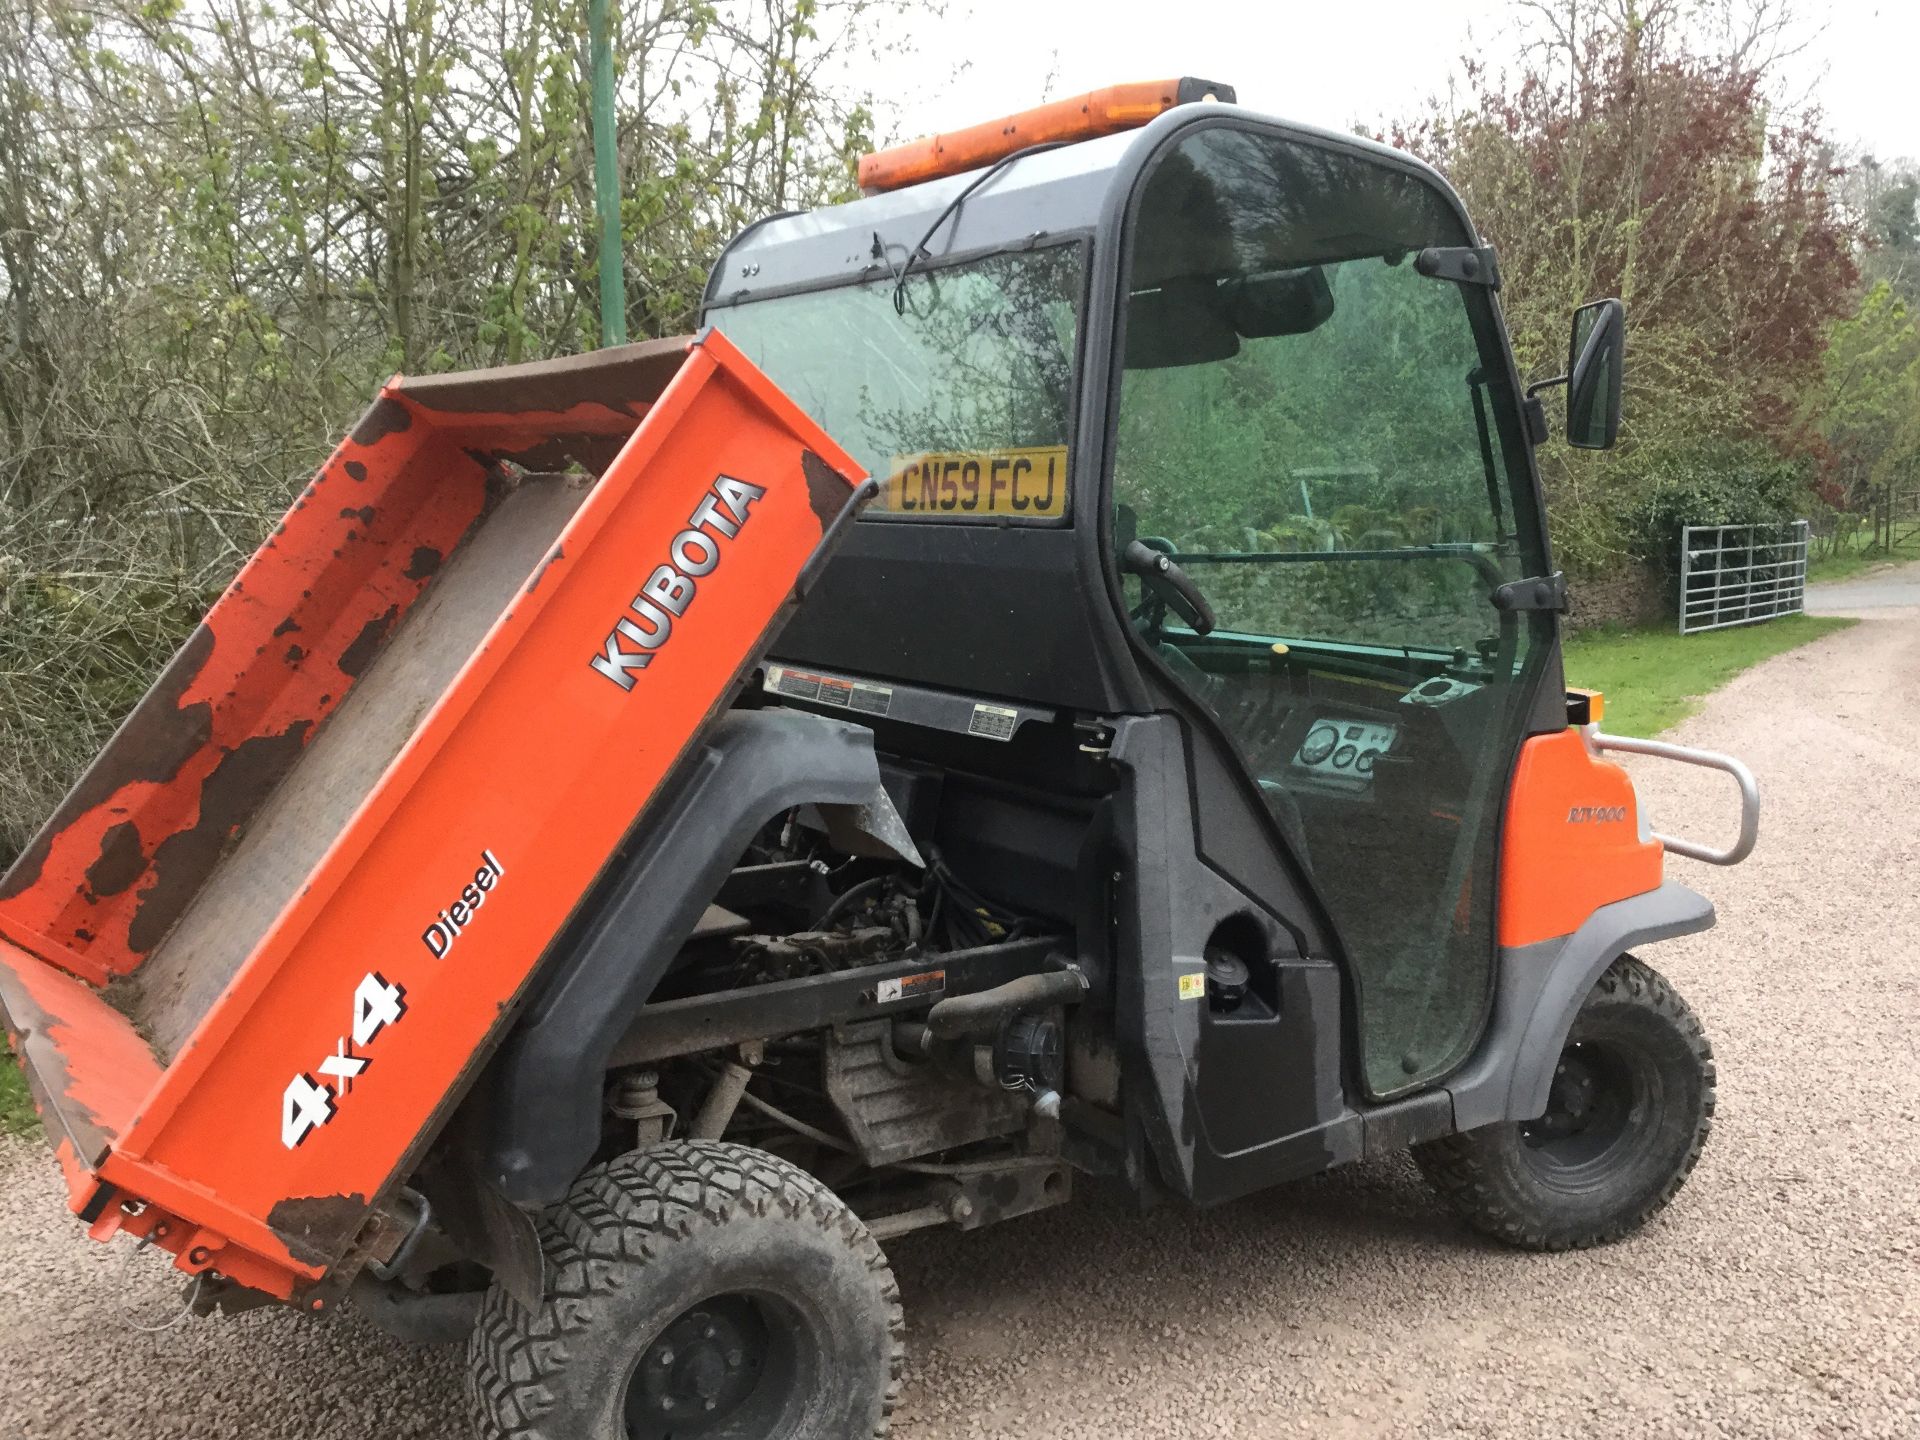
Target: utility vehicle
<point x="606" y="866"/>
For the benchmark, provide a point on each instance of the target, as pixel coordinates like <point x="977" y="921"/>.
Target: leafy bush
<point x="225" y="225"/>
<point x="91" y="607"/>
<point x="1728" y="483"/>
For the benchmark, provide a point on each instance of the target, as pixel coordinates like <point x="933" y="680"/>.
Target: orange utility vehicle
<point x="584" y="889"/>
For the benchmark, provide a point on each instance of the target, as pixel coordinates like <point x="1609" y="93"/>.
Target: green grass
<point x="1853" y="557"/>
<point x="17" y="1116"/>
<point x="1656" y="678"/>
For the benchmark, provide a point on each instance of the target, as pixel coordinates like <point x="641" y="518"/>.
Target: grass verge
<point x="1656" y="678"/>
<point x="17" y="1115"/>
<point x="1853" y="558"/>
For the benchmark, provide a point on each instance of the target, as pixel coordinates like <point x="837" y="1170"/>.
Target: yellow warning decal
<point x="1021" y="484"/>
<point x="1193" y="986"/>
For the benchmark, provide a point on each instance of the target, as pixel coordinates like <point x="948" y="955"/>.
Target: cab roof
<point x="1049" y="194"/>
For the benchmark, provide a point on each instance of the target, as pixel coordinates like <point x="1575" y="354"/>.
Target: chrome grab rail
<point x="1711" y="760"/>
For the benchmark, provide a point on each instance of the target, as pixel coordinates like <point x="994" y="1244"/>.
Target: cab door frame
<point x="1242" y="842"/>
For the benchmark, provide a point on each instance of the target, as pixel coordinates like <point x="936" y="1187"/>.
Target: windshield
<point x="1322" y="435"/>
<point x="954" y="389"/>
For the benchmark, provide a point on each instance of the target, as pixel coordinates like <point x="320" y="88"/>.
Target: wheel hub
<point x="1589" y="1108"/>
<point x="1570" y="1103"/>
<point x="700" y="1371"/>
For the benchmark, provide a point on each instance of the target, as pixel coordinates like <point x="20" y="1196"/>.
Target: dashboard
<point x="1349" y="728"/>
<point x="1341" y="752"/>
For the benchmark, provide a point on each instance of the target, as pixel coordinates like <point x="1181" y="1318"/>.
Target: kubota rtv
<point x="605" y="866"/>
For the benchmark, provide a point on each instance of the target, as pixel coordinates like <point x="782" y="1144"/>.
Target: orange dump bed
<point x="251" y="960"/>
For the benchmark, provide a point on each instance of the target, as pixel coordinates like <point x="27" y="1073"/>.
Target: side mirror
<point x="1596" y="364"/>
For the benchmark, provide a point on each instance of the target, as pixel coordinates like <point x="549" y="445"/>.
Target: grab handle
<point x="1708" y="759"/>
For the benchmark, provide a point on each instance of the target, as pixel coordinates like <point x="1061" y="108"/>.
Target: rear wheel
<point x="695" y="1290"/>
<point x="1630" y="1109"/>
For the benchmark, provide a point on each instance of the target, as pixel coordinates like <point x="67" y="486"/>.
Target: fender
<point x="1542" y="987"/>
<point x="534" y="1120"/>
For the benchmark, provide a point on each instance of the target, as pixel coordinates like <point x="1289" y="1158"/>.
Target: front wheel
<point x="695" y="1290"/>
<point x="1630" y="1109"/>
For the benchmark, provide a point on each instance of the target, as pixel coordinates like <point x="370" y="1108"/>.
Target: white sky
<point x="1338" y="62"/>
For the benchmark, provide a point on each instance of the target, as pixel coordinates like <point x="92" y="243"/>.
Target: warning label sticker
<point x="872" y="699"/>
<point x="910" y="987"/>
<point x="835" y="690"/>
<point x="1193" y="986"/>
<point x="993" y="722"/>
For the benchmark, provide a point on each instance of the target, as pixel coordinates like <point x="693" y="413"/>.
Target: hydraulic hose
<point x="960" y="1015"/>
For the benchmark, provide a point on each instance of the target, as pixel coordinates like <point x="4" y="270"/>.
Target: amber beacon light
<point x="1100" y="112"/>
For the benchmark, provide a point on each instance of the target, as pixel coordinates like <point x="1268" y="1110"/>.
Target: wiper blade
<point x="919" y="251"/>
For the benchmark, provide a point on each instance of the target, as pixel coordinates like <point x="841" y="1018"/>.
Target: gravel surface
<point x="1888" y="587"/>
<point x="1780" y="1295"/>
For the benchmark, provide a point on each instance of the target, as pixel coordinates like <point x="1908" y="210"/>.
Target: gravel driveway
<point x="1779" y="1296"/>
<point x="1890" y="587"/>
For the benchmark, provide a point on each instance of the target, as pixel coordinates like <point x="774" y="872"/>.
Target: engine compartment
<point x="941" y="1107"/>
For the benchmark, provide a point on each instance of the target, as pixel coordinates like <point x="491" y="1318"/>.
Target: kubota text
<point x="695" y="551"/>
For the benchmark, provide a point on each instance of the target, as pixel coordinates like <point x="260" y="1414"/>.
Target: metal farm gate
<point x="1739" y="574"/>
<point x="1903" y="516"/>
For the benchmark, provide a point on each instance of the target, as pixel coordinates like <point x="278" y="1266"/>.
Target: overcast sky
<point x="1340" y="62"/>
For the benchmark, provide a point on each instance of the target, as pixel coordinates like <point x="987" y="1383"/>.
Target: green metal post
<point x="606" y="182"/>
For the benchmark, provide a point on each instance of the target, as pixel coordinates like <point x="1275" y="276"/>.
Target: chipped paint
<point x="175" y="793"/>
<point x="423" y="564"/>
<point x="623" y="380"/>
<point x="386" y="417"/>
<point x="357" y="656"/>
<point x="826" y="491"/>
<point x="317" y="1228"/>
<point x="230" y="796"/>
<point x="121" y="860"/>
<point x="554" y="557"/>
<point x="87" y="1067"/>
<point x="157" y="739"/>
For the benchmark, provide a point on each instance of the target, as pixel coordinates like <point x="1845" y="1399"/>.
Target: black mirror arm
<point x="1539" y="385"/>
<point x="1158" y="570"/>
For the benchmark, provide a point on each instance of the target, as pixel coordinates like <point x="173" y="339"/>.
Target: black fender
<point x="1541" y="988"/>
<point x="533" y="1121"/>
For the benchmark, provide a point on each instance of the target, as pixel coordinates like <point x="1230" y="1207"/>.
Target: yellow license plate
<point x="1026" y="484"/>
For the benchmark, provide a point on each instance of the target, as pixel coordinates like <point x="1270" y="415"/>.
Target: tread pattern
<point x="1465" y="1168"/>
<point x="619" y="1216"/>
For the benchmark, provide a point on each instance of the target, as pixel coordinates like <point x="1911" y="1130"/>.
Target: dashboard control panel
<point x="1343" y="752"/>
<point x="1438" y="691"/>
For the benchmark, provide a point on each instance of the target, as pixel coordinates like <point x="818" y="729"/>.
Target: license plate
<point x="1028" y="484"/>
